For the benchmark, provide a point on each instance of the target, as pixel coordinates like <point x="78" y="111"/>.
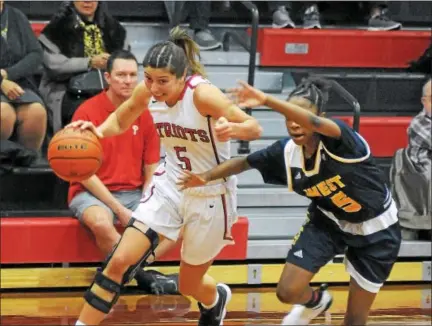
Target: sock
<point x="314" y="300"/>
<point x="78" y="323"/>
<point x="214" y="303"/>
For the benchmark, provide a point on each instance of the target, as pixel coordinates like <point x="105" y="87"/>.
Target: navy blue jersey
<point x="341" y="178"/>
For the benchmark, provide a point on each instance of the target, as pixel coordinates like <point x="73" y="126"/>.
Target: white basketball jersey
<point x="187" y="137"/>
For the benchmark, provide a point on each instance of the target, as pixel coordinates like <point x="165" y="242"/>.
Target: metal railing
<point x="251" y="47"/>
<point x="347" y="96"/>
<point x="344" y="94"/>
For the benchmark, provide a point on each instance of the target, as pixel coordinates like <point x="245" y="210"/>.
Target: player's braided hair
<point x="314" y="89"/>
<point x="177" y="54"/>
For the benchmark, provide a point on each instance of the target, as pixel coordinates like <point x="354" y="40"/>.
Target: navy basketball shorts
<point x="369" y="259"/>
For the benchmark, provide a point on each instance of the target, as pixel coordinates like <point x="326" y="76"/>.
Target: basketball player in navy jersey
<point x="351" y="210"/>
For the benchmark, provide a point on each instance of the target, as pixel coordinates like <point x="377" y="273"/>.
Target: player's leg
<point x="145" y="279"/>
<point x="136" y="244"/>
<point x="98" y="217"/>
<point x="369" y="267"/>
<point x="153" y="217"/>
<point x="313" y="247"/>
<point x="212" y="297"/>
<point x="359" y="304"/>
<point x="206" y="232"/>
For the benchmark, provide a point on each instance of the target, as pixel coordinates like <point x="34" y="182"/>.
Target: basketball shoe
<point x="215" y="315"/>
<point x="301" y="315"/>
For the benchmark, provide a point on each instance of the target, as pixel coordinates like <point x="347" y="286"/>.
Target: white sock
<point x="214" y="303"/>
<point x="79" y="323"/>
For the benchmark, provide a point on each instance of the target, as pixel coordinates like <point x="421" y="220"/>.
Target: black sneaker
<point x="154" y="282"/>
<point x="215" y="315"/>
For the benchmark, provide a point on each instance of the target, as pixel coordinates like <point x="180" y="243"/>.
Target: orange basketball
<point x="74" y="154"/>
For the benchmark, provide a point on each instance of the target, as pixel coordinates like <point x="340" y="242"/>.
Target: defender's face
<point x="299" y="134"/>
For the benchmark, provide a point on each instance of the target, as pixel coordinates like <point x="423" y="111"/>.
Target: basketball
<point x="75" y="154"/>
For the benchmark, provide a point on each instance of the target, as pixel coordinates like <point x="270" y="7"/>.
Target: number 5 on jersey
<point x="185" y="162"/>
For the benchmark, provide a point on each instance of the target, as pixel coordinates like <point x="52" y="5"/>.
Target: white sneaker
<point x="300" y="315"/>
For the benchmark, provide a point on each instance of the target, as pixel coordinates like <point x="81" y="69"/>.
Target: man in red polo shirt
<point x="129" y="161"/>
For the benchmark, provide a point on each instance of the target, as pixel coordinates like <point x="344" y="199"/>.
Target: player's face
<point x="123" y="77"/>
<point x="163" y="85"/>
<point x="301" y="136"/>
<point x="86" y="8"/>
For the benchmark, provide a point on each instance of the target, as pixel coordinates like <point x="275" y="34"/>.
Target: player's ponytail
<point x="181" y="38"/>
<point x="179" y="55"/>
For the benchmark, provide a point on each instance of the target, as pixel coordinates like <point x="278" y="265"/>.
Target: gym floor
<point x="395" y="304"/>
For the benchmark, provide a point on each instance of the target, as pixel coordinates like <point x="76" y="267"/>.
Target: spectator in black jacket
<point x="80" y="37"/>
<point x="22" y="109"/>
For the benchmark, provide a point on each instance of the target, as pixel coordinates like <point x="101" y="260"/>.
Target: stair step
<point x="268" y="197"/>
<point x="278" y="249"/>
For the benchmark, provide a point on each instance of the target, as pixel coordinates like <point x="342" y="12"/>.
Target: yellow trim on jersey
<point x="287" y="165"/>
<point x="350" y="160"/>
<point x="317" y="163"/>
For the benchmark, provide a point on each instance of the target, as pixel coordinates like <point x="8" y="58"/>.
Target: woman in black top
<point x="22" y="109"/>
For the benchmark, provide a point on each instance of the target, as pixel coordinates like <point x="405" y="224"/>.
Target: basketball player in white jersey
<point x="195" y="121"/>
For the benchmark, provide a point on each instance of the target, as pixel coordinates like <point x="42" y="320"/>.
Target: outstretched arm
<point x="248" y="96"/>
<point x="228" y="168"/>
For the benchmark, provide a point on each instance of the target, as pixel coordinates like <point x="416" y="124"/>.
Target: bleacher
<point x="36" y="227"/>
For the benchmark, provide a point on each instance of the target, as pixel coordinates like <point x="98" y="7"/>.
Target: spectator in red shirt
<point x="129" y="162"/>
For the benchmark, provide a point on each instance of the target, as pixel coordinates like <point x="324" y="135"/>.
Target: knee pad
<point x="107" y="284"/>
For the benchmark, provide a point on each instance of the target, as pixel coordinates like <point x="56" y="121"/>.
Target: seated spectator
<point x="23" y="115"/>
<point x="79" y="38"/>
<point x="129" y="163"/>
<point x="199" y="13"/>
<point x="419" y="134"/>
<point x="411" y="175"/>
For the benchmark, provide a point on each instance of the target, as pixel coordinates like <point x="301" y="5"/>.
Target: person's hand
<point x="99" y="61"/>
<point x="189" y="180"/>
<point x="3" y="73"/>
<point x="85" y="125"/>
<point x="246" y="96"/>
<point x="223" y="129"/>
<point x="124" y="215"/>
<point x="11" y="89"/>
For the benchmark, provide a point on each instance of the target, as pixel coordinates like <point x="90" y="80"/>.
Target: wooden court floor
<point x="395" y="305"/>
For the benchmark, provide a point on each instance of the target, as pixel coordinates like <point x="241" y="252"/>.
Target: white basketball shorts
<point x="206" y="213"/>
